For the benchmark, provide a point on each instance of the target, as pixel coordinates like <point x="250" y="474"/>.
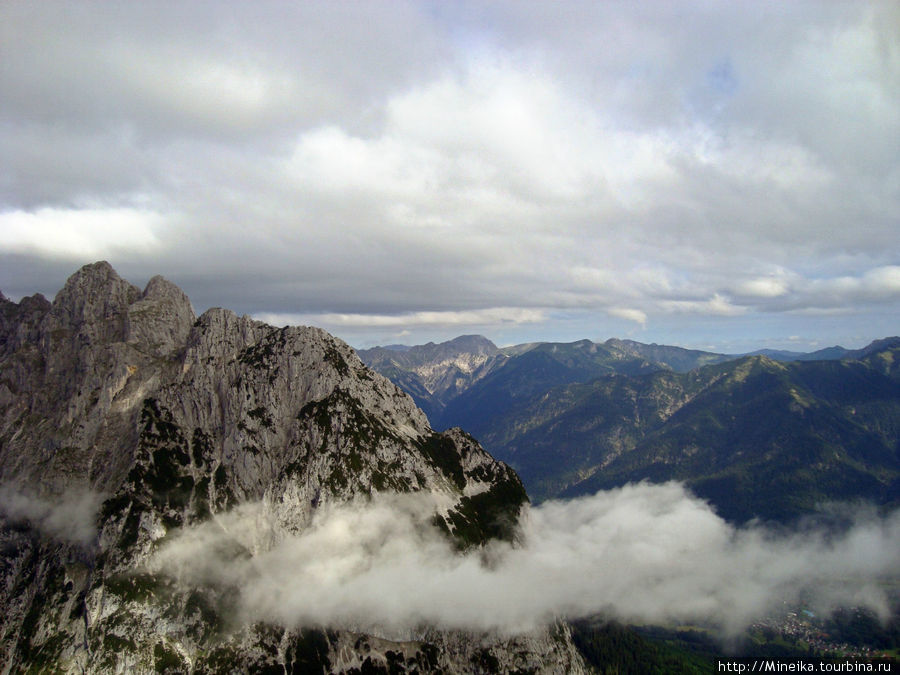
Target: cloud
<point x="642" y="553"/>
<point x="717" y="305"/>
<point x="841" y="293"/>
<point x="70" y="517"/>
<point x="763" y="287"/>
<point x="490" y="316"/>
<point x="80" y="233"/>
<point x="635" y="315"/>
<point x="878" y="284"/>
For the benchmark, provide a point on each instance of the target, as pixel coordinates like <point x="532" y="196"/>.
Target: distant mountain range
<point x="436" y="374"/>
<point x="771" y="435"/>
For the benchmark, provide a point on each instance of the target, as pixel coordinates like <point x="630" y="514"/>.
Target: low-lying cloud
<point x="483" y="317"/>
<point x="641" y="553"/>
<point x="70" y="517"/>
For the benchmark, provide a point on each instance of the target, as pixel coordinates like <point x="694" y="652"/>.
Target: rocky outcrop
<point x="124" y="419"/>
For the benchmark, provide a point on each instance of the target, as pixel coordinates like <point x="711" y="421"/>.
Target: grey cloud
<point x="80" y="165"/>
<point x="146" y="64"/>
<point x="640" y="553"/>
<point x="317" y="159"/>
<point x="792" y="292"/>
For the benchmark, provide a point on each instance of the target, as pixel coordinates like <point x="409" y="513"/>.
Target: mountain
<point x="679" y="359"/>
<point x="461" y="381"/>
<point x="450" y="379"/>
<point x="487" y="402"/>
<point x="125" y="421"/>
<point x="435" y="373"/>
<point x="828" y="354"/>
<point x="835" y="353"/>
<point x="758" y="437"/>
<point x="761" y="439"/>
<point x="469" y="382"/>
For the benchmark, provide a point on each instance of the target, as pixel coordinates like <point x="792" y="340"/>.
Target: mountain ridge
<point x="443" y="378"/>
<point x="577" y="417"/>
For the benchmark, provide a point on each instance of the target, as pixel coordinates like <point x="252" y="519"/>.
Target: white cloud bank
<point x="75" y="234"/>
<point x="640" y="553"/>
<point x="490" y="316"/>
<point x="630" y="314"/>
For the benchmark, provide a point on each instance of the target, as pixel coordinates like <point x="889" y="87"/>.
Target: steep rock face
<point x="124" y="418"/>
<point x="161" y="320"/>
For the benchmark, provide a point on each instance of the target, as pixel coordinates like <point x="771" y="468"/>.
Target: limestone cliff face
<point x="123" y="418"/>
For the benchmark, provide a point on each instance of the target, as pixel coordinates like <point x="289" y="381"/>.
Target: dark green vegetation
<point x="170" y="477"/>
<point x="361" y="440"/>
<point x="424" y="660"/>
<point x="755" y="436"/>
<point x="488" y="515"/>
<point x="476" y="519"/>
<point x="861" y="628"/>
<point x="442" y="453"/>
<point x="610" y="647"/>
<point x="263" y="355"/>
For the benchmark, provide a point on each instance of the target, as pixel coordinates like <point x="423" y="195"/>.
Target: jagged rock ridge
<point x="168" y="420"/>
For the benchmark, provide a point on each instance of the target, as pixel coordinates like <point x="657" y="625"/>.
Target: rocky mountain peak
<point x="94" y="294"/>
<point x="151" y="421"/>
<point x="161" y="319"/>
<point x="160" y="288"/>
<point x="473" y="344"/>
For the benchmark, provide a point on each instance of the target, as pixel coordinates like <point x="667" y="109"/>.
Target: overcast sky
<point x="723" y="175"/>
